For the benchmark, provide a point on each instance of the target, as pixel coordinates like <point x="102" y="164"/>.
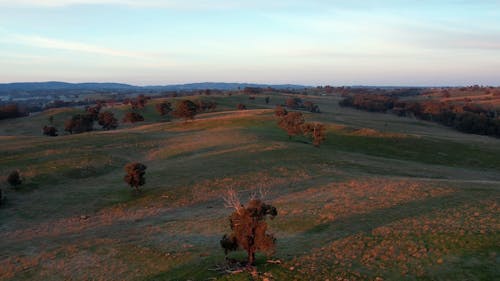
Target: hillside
<point x="384" y="198"/>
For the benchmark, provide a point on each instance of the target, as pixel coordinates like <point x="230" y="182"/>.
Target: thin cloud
<point x="49" y="43"/>
<point x="168" y="4"/>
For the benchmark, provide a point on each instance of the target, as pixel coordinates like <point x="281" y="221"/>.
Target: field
<point x="384" y="198"/>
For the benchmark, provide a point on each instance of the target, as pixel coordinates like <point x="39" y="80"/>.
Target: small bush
<point x="132" y="117"/>
<point x="50" y="131"/>
<point x="135" y="174"/>
<point x="163" y="108"/>
<point x="14" y="179"/>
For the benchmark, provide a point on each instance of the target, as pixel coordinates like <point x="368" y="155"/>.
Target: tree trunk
<point x="251" y="257"/>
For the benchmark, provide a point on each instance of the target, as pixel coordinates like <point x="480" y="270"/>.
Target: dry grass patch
<point x="341" y="200"/>
<point x="413" y="246"/>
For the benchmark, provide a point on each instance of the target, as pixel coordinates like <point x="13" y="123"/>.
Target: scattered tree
<point x="51" y="119"/>
<point x="316" y="131"/>
<point x="294" y="103"/>
<point x="292" y="123"/>
<point x="163" y="108"/>
<point x="135" y="175"/>
<point x="267" y="100"/>
<point x="204" y="106"/>
<point x="186" y="109"/>
<point x="14" y="178"/>
<point x="107" y="120"/>
<point x="249" y="227"/>
<point x="280" y="111"/>
<point x="132" y="117"/>
<point x="93" y="111"/>
<point x="79" y="123"/>
<point x="309" y="106"/>
<point x="252" y="90"/>
<point x="50" y="131"/>
<point x="139" y="102"/>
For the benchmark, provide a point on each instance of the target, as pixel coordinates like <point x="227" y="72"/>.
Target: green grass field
<point x="384" y="198"/>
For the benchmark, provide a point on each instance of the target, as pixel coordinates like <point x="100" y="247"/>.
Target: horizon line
<point x="252" y="83"/>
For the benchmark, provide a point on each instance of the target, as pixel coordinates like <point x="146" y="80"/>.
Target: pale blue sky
<point x="392" y="42"/>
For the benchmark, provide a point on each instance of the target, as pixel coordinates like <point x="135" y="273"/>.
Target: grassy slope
<point x="407" y="199"/>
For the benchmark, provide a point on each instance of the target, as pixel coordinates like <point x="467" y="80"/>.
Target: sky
<point x="309" y="42"/>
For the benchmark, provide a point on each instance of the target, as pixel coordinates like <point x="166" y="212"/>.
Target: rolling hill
<point x="384" y="198"/>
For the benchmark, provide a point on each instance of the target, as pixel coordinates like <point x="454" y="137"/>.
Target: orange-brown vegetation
<point x="249" y="229"/>
<point x="135" y="175"/>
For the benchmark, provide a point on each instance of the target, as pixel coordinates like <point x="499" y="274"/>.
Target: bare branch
<point x="231" y="199"/>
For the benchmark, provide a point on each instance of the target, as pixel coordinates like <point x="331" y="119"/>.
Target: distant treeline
<point x="468" y="118"/>
<point x="11" y="111"/>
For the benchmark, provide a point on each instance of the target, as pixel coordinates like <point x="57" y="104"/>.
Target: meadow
<point x="383" y="198"/>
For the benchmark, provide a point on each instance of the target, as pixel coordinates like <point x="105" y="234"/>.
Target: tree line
<point x="84" y="122"/>
<point x="467" y="118"/>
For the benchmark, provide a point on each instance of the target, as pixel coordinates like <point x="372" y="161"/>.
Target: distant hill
<point x="44" y="87"/>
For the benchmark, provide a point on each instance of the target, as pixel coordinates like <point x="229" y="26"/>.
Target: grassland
<point x="385" y="198"/>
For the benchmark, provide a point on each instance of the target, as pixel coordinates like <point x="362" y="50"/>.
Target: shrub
<point x="79" y="123"/>
<point x="280" y="111"/>
<point x="186" y="109"/>
<point x="107" y="120"/>
<point x="204" y="106"/>
<point x="50" y="131"/>
<point x="132" y="117"/>
<point x="241" y="106"/>
<point x="135" y="175"/>
<point x="163" y="108"/>
<point x="294" y="103"/>
<point x="311" y="107"/>
<point x="93" y="111"/>
<point x="14" y="179"/>
<point x="249" y="228"/>
<point x="316" y="131"/>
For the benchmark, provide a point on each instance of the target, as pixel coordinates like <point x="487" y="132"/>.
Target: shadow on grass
<point x="364" y="223"/>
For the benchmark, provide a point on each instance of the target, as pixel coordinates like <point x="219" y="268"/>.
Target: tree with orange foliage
<point x="292" y="123"/>
<point x="316" y="131"/>
<point x="249" y="227"/>
<point x="280" y="111"/>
